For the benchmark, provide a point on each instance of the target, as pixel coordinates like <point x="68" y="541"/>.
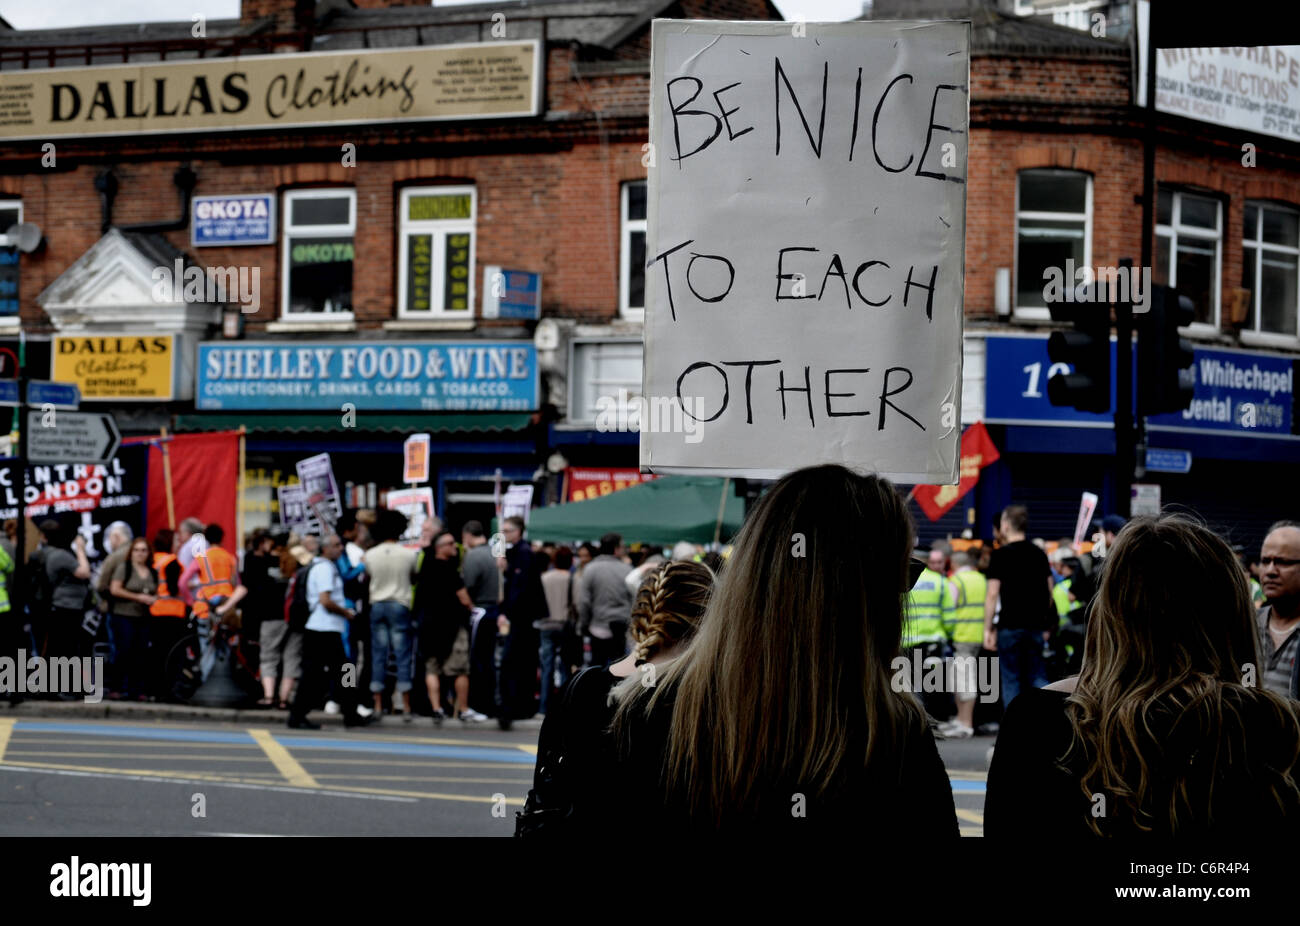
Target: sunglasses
<point x="914" y="569"/>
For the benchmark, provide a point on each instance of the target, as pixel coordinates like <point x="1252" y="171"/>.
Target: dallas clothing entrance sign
<point x="807" y="215"/>
<point x="490" y="376"/>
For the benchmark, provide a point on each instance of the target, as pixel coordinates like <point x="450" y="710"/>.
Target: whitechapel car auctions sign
<point x="489" y="80"/>
<point x="805" y="257"/>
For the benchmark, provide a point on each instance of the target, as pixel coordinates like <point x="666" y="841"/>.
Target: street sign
<point x="60" y="395"/>
<point x="1144" y="500"/>
<point x="1168" y="461"/>
<point x="76" y="437"/>
<point x="8" y="392"/>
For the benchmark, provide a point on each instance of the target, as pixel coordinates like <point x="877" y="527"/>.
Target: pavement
<point x="122" y="768"/>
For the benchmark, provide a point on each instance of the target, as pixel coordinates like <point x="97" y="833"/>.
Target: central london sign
<point x="472" y="81"/>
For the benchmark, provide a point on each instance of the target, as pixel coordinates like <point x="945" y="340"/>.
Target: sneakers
<point x="471" y="716"/>
<point x="956" y="730"/>
<point x="439" y="717"/>
<point x="331" y="707"/>
<point x="366" y="711"/>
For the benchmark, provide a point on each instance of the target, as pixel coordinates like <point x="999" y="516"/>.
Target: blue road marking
<point x="140" y="733"/>
<point x="967" y="787"/>
<point x="484" y="753"/>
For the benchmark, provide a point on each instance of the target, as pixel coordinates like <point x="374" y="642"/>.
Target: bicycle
<point x="182" y="669"/>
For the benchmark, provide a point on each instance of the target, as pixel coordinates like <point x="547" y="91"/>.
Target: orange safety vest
<point x="167" y="605"/>
<point x="216" y="572"/>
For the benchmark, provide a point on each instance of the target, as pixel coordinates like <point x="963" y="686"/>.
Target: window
<point x="602" y="368"/>
<point x="319" y="237"/>
<point x="1053" y="226"/>
<point x="11" y="213"/>
<point x="1187" y="250"/>
<point x="435" y="264"/>
<point x="1271" y="268"/>
<point x="632" y="213"/>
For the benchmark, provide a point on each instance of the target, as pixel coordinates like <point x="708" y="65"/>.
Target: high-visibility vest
<point x="168" y="604"/>
<point x="6" y="576"/>
<point x="927" y="603"/>
<point x="1061" y="596"/>
<point x="967" y="622"/>
<point x="216" y="572"/>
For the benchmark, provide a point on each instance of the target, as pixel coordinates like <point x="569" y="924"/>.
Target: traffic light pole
<point x="1125" y="431"/>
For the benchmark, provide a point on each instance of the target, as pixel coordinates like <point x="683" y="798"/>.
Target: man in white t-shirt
<point x="323" y="652"/>
<point x="391" y="567"/>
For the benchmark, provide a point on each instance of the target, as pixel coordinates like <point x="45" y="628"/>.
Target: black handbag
<point x="549" y="805"/>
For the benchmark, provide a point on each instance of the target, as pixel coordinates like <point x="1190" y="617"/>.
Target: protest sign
<point x="806" y="244"/>
<point x="89" y="497"/>
<point x="415" y="459"/>
<point x="321" y="492"/>
<point x="517" y="503"/>
<point x="1087" y="505"/>
<point x="295" y="512"/>
<point x="417" y="505"/>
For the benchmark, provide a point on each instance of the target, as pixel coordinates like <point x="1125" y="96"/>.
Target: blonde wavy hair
<point x="669" y="605"/>
<point x="1162" y="698"/>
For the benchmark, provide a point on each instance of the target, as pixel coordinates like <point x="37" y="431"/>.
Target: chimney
<point x="286" y="15"/>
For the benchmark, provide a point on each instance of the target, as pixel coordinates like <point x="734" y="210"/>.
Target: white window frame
<point x="10" y="204"/>
<point x="626" y="228"/>
<point x="1176" y="229"/>
<point x="574" y="344"/>
<point x="439" y="229"/>
<point x="290" y="231"/>
<point x="1042" y="313"/>
<point x="1255" y="335"/>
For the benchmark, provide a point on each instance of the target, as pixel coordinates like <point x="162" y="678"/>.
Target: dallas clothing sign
<point x="411" y="376"/>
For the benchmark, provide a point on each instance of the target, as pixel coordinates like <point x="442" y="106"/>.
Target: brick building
<point x="381" y="234"/>
<point x="363" y="234"/>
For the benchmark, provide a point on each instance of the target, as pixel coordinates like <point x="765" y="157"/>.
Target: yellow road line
<point x="482" y="781"/>
<point x="970" y="816"/>
<point x="968" y="776"/>
<point x="531" y="750"/>
<point x="218" y="779"/>
<point x="6" y="727"/>
<point x="22" y="736"/>
<point x="283" y="761"/>
<point x="497" y="766"/>
<point x="970" y="831"/>
<point x="122" y="755"/>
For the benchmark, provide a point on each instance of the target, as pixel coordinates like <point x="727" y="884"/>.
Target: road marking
<point x="481" y="781"/>
<point x="963" y="786"/>
<point x="144" y="733"/>
<point x="531" y="750"/>
<point x="283" y="761"/>
<point x="128" y="755"/>
<point x="6" y="727"/>
<point x="970" y="816"/>
<point x="182" y="779"/>
<point x="21" y="738"/>
<point x="503" y="753"/>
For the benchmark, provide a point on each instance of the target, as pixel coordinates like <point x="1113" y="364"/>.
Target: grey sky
<point x="27" y="14"/>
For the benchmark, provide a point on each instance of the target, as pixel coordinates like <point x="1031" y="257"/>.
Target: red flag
<point x="205" y="481"/>
<point x="977" y="452"/>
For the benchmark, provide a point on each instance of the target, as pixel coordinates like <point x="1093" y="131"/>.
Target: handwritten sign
<point x="806" y="228"/>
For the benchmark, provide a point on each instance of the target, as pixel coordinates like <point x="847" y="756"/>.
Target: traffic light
<point x="1087" y="348"/>
<point x="1165" y="381"/>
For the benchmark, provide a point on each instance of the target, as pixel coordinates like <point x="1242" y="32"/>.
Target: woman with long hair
<point x="134" y="587"/>
<point x="781" y="712"/>
<point x="1166" y="731"/>
<point x="572" y="750"/>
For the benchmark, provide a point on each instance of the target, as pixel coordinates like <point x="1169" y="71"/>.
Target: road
<point x="106" y="778"/>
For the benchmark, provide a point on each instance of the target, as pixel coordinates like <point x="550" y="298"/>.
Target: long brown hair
<point x="669" y="605"/>
<point x="1168" y="688"/>
<point x="787" y="680"/>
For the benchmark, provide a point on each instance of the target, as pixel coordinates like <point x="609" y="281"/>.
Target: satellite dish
<point x="27" y="235"/>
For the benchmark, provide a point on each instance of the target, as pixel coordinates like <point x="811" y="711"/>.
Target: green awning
<point x="367" y="422"/>
<point x="661" y="512"/>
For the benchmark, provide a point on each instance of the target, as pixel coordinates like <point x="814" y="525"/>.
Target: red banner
<point x="586" y="483"/>
<point x="205" y="481"/>
<point x="977" y="452"/>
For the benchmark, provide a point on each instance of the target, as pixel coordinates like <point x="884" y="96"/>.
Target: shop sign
<point x="402" y="376"/>
<point x="9" y="267"/>
<point x="123" y="367"/>
<point x="583" y="483"/>
<point x="233" y="220"/>
<point x="469" y="81"/>
<point x="511" y="293"/>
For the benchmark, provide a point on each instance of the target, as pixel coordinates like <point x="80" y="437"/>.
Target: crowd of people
<point x="764" y="695"/>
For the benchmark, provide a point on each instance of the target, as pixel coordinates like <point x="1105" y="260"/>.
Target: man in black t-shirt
<point x="1021" y="576"/>
<point x="443" y="608"/>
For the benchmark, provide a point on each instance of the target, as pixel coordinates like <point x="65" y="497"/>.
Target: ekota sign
<point x="487" y="80"/>
<point x="806" y="252"/>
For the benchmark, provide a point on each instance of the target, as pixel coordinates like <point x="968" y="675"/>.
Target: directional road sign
<point x="60" y="395"/>
<point x="75" y="437"/>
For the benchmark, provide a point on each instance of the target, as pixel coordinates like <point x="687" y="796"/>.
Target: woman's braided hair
<point x="669" y="605"/>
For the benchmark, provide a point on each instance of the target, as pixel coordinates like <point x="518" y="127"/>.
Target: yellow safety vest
<point x="1061" y="596"/>
<point x="967" y="623"/>
<point x="927" y="603"/>
<point x="6" y="576"/>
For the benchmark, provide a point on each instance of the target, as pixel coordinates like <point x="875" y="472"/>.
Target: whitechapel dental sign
<point x="805" y="256"/>
<point x="488" y="80"/>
